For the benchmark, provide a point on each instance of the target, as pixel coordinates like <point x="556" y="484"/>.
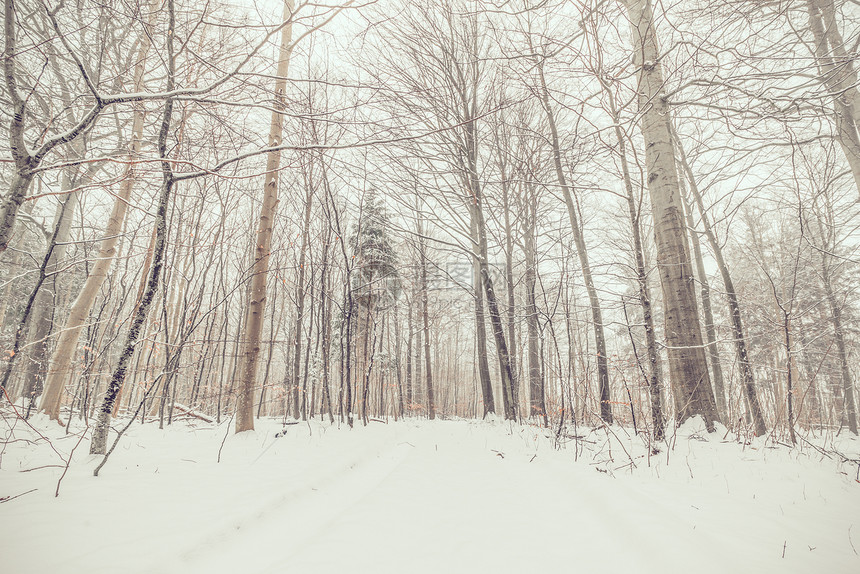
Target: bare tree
<point x="688" y="368"/>
<point x="257" y="292"/>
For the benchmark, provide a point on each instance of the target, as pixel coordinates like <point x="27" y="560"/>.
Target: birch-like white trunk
<point x="688" y="369"/>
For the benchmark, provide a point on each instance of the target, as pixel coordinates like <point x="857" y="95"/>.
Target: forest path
<point x="421" y="497"/>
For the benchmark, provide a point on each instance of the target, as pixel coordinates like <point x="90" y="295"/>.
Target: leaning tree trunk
<point x="45" y="305"/>
<point x="581" y="251"/>
<point x="509" y="283"/>
<point x="731" y="297"/>
<point x="688" y="367"/>
<point x="495" y="314"/>
<point x="475" y="201"/>
<point x="100" y="432"/>
<point x="60" y="364"/>
<point x="260" y="269"/>
<point x="481" y="325"/>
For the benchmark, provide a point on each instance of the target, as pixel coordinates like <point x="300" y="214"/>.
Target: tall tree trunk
<point x="655" y="374"/>
<point x="45" y="306"/>
<point x="260" y="269"/>
<point x="841" y="350"/>
<point x="536" y="392"/>
<point x="100" y="432"/>
<point x="688" y="368"/>
<point x="731" y="296"/>
<point x="325" y="322"/>
<point x="487" y="397"/>
<point x="305" y="376"/>
<point x="581" y="251"/>
<point x="397" y="362"/>
<point x="475" y="200"/>
<point x="410" y="313"/>
<point x="300" y="305"/>
<point x="493" y="307"/>
<point x="425" y="316"/>
<point x="710" y="325"/>
<point x="509" y="281"/>
<point x="836" y="72"/>
<point x="62" y="358"/>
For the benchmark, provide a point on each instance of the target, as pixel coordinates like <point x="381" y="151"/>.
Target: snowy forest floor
<point x="422" y="496"/>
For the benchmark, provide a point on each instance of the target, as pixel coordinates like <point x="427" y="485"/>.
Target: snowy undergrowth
<point x="421" y="496"/>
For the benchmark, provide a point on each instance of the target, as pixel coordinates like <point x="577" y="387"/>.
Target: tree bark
<point x="837" y="74"/>
<point x="655" y="374"/>
<point x="260" y="270"/>
<point x="839" y="335"/>
<point x="536" y="392"/>
<point x="487" y="396"/>
<point x="425" y="316"/>
<point x="747" y="374"/>
<point x="100" y="431"/>
<point x="710" y="325"/>
<point x="493" y="307"/>
<point x="300" y="305"/>
<point x="688" y="368"/>
<point x="581" y="251"/>
<point x="61" y="361"/>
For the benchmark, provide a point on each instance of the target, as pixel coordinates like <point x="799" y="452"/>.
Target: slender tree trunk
<point x="100" y="432"/>
<point x="579" y="240"/>
<point x="837" y="74"/>
<point x="731" y="297"/>
<point x="300" y="305"/>
<point x="325" y="293"/>
<point x="62" y="358"/>
<point x="655" y="374"/>
<point x="688" y="367"/>
<point x="488" y="400"/>
<point x="425" y="316"/>
<point x="493" y="307"/>
<point x="710" y="324"/>
<point x="260" y="270"/>
<point x="838" y="332"/>
<point x="509" y="284"/>
<point x="410" y="313"/>
<point x="397" y="362"/>
<point x="42" y="321"/>
<point x="789" y="383"/>
<point x="536" y="396"/>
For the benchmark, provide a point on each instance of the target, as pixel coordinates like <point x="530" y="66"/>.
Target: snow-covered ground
<point x="420" y="496"/>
